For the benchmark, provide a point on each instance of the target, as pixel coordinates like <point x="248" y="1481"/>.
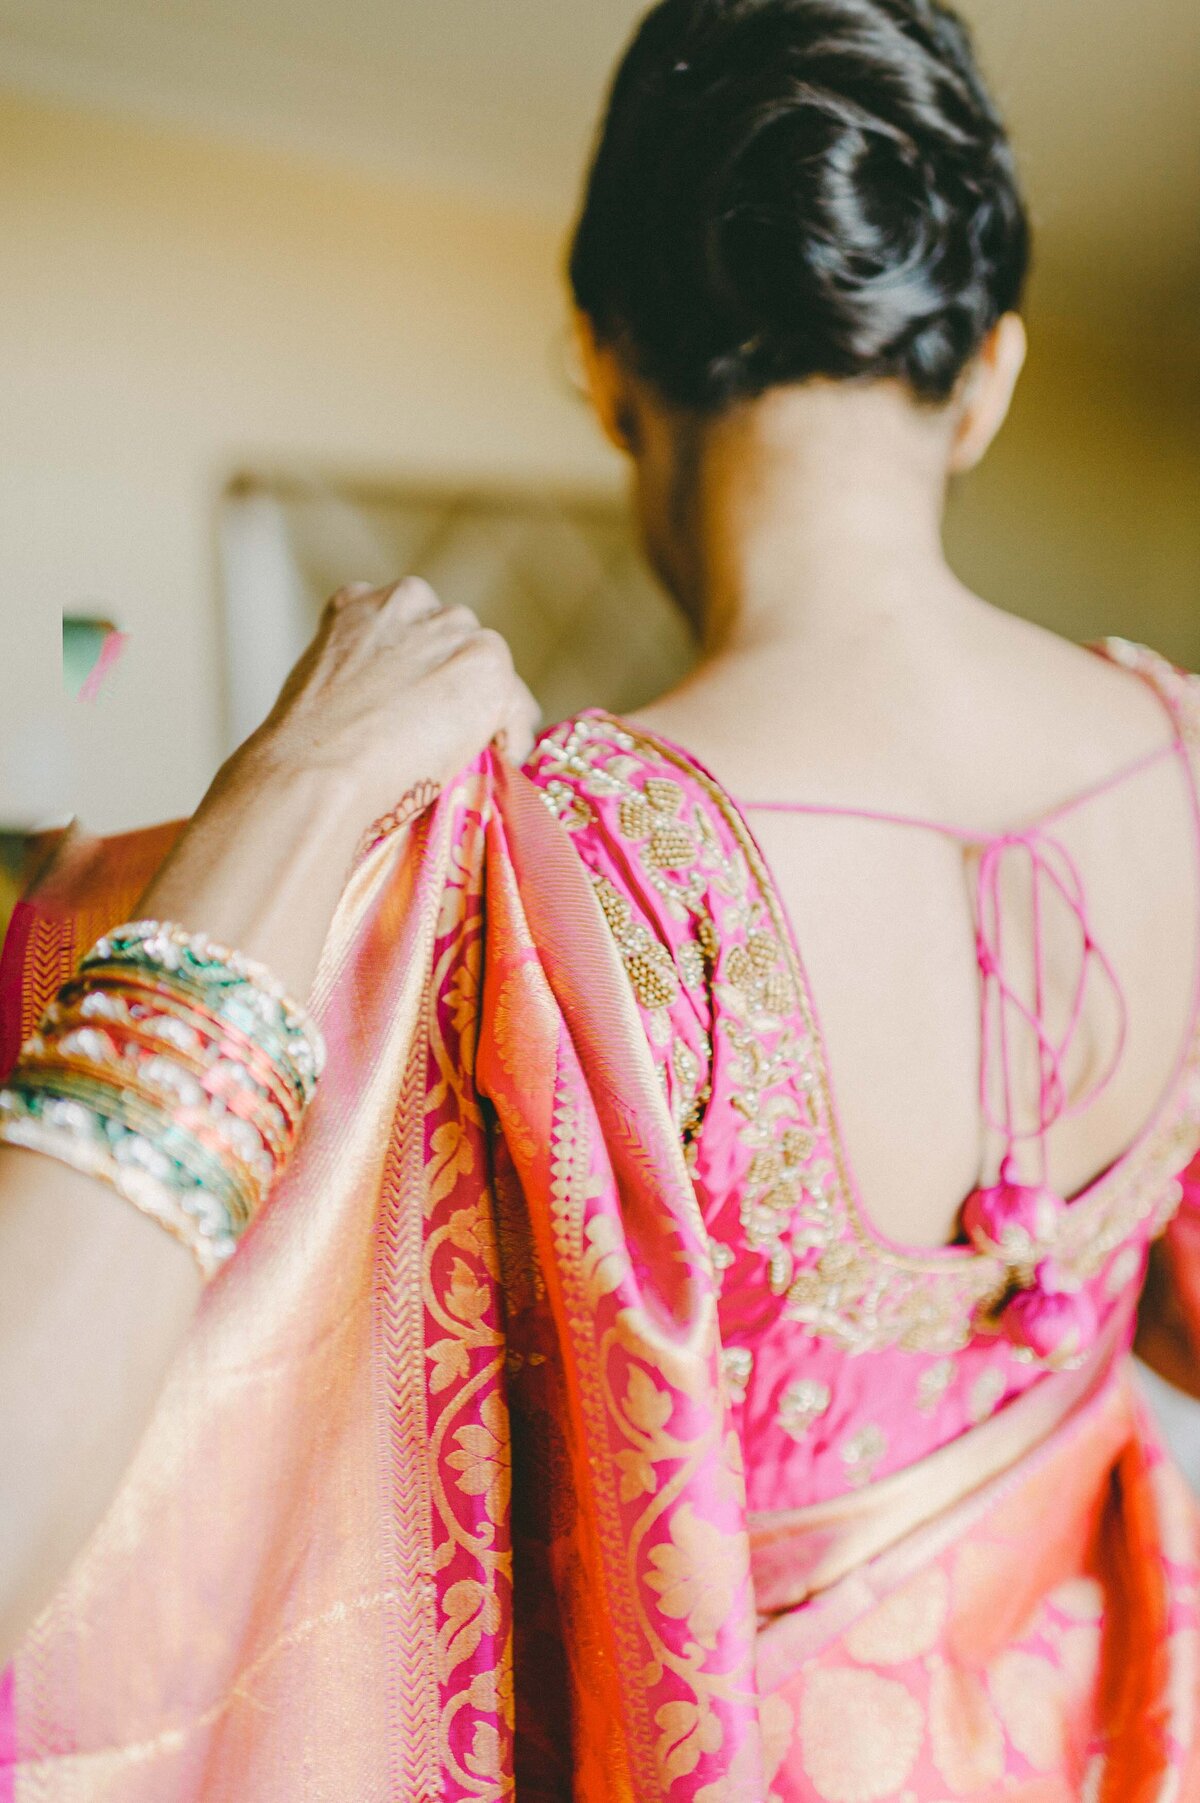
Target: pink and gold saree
<point x="562" y="1430"/>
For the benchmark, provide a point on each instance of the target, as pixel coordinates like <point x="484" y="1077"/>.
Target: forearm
<point x="94" y="1301"/>
<point x="262" y="863"/>
<point x="95" y="1297"/>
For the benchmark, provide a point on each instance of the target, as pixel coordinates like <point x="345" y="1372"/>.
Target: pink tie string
<point x="1051" y="868"/>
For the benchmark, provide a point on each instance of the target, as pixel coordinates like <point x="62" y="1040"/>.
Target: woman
<point x="827" y="1479"/>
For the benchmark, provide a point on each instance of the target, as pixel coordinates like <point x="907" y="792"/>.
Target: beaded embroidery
<point x="796" y="1207"/>
<point x="802" y="1403"/>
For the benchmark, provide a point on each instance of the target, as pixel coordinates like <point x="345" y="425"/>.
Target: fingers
<point x="345" y="598"/>
<point x="403" y="635"/>
<point x="517" y="735"/>
<point x="409" y="599"/>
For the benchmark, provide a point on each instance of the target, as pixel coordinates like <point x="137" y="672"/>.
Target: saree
<point x="446" y="1495"/>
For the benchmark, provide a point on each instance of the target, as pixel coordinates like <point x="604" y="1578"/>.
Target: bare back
<point x="993" y="728"/>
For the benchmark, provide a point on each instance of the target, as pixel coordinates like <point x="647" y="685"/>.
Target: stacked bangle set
<point x="175" y="1070"/>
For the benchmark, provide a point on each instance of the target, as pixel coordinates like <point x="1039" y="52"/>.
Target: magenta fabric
<point x="849" y="1358"/>
<point x="8" y="1738"/>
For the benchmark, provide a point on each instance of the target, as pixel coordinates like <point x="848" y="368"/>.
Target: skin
<point x="94" y="1297"/>
<point x="842" y="661"/>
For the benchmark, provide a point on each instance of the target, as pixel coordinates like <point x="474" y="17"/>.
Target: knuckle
<point x="479" y="668"/>
<point x="462" y="616"/>
<point x="492" y="660"/>
<point x="350" y="591"/>
<point x="493" y="647"/>
<point x="412" y="596"/>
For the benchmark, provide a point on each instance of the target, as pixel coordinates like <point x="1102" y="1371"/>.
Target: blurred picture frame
<point x="560" y="575"/>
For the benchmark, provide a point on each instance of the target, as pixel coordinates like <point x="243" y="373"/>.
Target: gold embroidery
<point x="653" y="978"/>
<point x="671" y="847"/>
<point x="605" y="758"/>
<point x="663" y="794"/>
<point x="651" y="967"/>
<point x="634" y="817"/>
<point x="755" y="968"/>
<point x="801" y="1404"/>
<point x="566" y="805"/>
<point x="933" y="1384"/>
<point x="797" y="1205"/>
<point x="862" y="1452"/>
<point x="692" y="1092"/>
<point x="690" y="960"/>
<point x="737" y="1363"/>
<point x="984" y="1394"/>
<point x="794" y="1206"/>
<point x="650" y="816"/>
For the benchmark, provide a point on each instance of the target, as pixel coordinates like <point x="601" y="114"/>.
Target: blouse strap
<point x="972" y="835"/>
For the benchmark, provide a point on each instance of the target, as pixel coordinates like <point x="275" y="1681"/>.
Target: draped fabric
<point x="305" y="1585"/>
<point x="452" y="1490"/>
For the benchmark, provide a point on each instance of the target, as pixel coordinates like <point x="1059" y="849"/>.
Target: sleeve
<point x="722" y="999"/>
<point x="640" y="831"/>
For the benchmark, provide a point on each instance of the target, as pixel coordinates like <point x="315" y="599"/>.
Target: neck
<point x="812" y="515"/>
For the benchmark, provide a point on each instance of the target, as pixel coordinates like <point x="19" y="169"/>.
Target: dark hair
<point x="792" y="188"/>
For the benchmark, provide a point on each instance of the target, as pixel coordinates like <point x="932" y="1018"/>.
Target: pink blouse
<point x="848" y="1356"/>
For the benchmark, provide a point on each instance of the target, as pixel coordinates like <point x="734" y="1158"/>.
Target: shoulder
<point x="1100" y="705"/>
<point x="680" y="883"/>
<point x="1178" y="687"/>
<point x="664" y="871"/>
<point x="643" y="810"/>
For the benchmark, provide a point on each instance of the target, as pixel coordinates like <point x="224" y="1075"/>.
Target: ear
<point x="602" y="378"/>
<point x="987" y="392"/>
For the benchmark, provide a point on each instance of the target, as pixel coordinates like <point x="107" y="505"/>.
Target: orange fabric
<point x="304" y="1586"/>
<point x="1037" y="1643"/>
<point x="442" y="1500"/>
<point x="82" y="886"/>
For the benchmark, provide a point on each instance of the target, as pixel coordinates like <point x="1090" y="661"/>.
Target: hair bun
<point x="791" y="188"/>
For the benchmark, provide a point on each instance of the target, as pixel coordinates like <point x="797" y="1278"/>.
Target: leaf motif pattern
<point x="692" y="1575"/>
<point x="464" y="1336"/>
<point x="653" y="1566"/>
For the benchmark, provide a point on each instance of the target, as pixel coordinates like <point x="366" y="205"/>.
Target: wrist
<point x="263" y="860"/>
<point x="266" y="773"/>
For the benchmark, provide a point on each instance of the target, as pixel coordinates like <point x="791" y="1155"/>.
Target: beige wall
<point x="1086" y="514"/>
<point x="174" y="310"/>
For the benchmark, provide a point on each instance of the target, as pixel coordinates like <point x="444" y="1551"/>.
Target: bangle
<point x="241" y="990"/>
<point x="175" y="1070"/>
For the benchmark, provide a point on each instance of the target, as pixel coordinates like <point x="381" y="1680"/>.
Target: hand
<point x="396" y="689"/>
